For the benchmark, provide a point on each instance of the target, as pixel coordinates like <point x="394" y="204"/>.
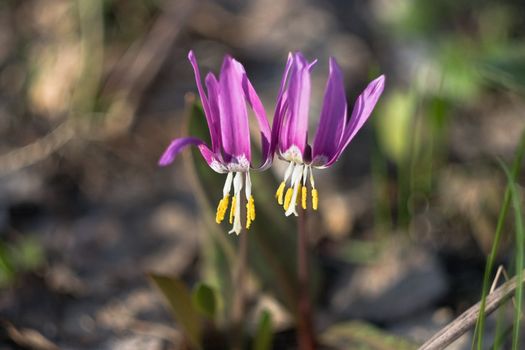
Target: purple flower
<point x="227" y="117"/>
<point x="334" y="133"/>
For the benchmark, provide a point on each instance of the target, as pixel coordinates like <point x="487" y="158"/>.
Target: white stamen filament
<point x="227" y="184"/>
<point x="288" y="171"/>
<point x="312" y="181"/>
<point x="305" y="174"/>
<point x="237" y="187"/>
<point x="296" y="181"/>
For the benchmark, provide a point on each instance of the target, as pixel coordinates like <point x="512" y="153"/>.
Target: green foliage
<point x="520" y="240"/>
<point x="516" y="166"/>
<point x="17" y="257"/>
<point x="180" y="301"/>
<point x="394" y="125"/>
<point x="507" y="69"/>
<point x="264" y="335"/>
<point x="363" y="336"/>
<point x="205" y="300"/>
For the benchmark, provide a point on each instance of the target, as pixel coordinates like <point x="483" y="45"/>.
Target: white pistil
<point x="296" y="182"/>
<point x="237" y="187"/>
<point x="248" y="189"/>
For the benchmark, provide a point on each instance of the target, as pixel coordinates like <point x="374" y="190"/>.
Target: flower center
<point x="297" y="190"/>
<point x="293" y="154"/>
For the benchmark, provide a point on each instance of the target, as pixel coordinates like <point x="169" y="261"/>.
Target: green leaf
<point x="516" y="169"/>
<point x="520" y="240"/>
<point x="507" y="69"/>
<point x="205" y="300"/>
<point x="179" y="299"/>
<point x="394" y="125"/>
<point x="264" y="336"/>
<point x="27" y="254"/>
<point x="363" y="336"/>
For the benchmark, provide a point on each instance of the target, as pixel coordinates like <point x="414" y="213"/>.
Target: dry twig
<point x="467" y="320"/>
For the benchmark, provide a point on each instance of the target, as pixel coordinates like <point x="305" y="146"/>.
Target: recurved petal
<point x="363" y="107"/>
<point x="333" y="118"/>
<point x="235" y="131"/>
<point x="213" y="101"/>
<point x="280" y="106"/>
<point x="262" y="121"/>
<point x="176" y="146"/>
<point x="210" y="117"/>
<point x="294" y="124"/>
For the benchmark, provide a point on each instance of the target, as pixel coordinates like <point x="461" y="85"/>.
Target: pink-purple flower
<point x="225" y="107"/>
<point x="334" y="132"/>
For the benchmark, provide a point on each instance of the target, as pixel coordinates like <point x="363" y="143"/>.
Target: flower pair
<point x="225" y="107"/>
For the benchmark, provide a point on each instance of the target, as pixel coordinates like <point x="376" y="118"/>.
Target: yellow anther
<point x="221" y="209"/>
<point x="250" y="212"/>
<point x="304" y="194"/>
<point x="232" y="209"/>
<point x="279" y="193"/>
<point x="252" y="209"/>
<point x="315" y="199"/>
<point x="288" y="198"/>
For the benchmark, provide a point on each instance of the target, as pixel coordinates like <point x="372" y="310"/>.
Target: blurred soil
<point x="105" y="215"/>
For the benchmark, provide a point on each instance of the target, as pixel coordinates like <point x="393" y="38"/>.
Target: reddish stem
<point x="239" y="285"/>
<point x="305" y="330"/>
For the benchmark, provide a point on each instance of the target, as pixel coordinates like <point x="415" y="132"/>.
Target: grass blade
<point x="480" y="324"/>
<point x="516" y="205"/>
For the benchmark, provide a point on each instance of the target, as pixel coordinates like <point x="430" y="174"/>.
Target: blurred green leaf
<point x="520" y="240"/>
<point x="394" y="125"/>
<point x="507" y="69"/>
<point x="23" y="255"/>
<point x="180" y="301"/>
<point x="360" y="251"/>
<point x="272" y="241"/>
<point x="264" y="336"/>
<point x="7" y="271"/>
<point x="205" y="300"/>
<point x="27" y="254"/>
<point x="363" y="336"/>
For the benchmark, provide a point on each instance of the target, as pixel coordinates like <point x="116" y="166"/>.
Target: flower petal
<point x="333" y="117"/>
<point x="294" y="124"/>
<point x="211" y="117"/>
<point x="362" y="109"/>
<point x="212" y="85"/>
<point x="177" y="145"/>
<point x="280" y="106"/>
<point x="262" y="121"/>
<point x="235" y="132"/>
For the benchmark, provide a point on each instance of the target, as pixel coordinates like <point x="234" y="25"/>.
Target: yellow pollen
<point x="288" y="198"/>
<point x="299" y="190"/>
<point x="304" y="194"/>
<point x="315" y="199"/>
<point x="279" y="193"/>
<point x="250" y="212"/>
<point x="221" y="209"/>
<point x="232" y="209"/>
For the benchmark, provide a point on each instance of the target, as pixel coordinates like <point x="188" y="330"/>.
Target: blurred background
<point x="92" y="91"/>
